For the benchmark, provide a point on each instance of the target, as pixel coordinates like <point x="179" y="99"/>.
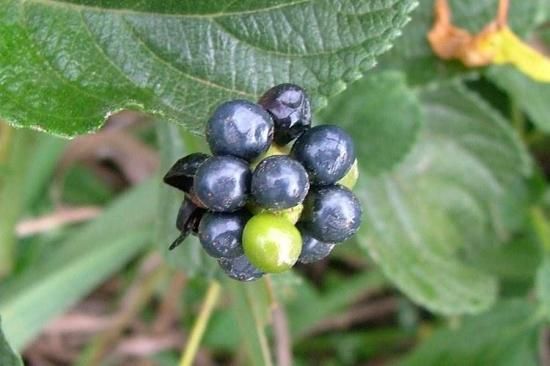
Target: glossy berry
<point x="240" y="269"/>
<point x="239" y="128"/>
<point x="326" y="152"/>
<point x="271" y="243"/>
<point x="222" y="183"/>
<point x="313" y="250"/>
<point x="279" y="182"/>
<point x="289" y="106"/>
<point x="331" y="214"/>
<point x="221" y="233"/>
<point x="181" y="174"/>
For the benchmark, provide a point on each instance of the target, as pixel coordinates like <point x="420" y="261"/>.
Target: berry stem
<point x="192" y="345"/>
<point x="283" y="348"/>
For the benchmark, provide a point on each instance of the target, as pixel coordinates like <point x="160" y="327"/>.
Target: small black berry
<point x="279" y="182"/>
<point x="326" y="152"/>
<point x="331" y="214"/>
<point x="290" y="108"/>
<point x="222" y="183"/>
<point x="239" y="128"/>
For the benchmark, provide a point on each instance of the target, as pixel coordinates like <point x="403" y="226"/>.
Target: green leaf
<point x="189" y="256"/>
<point x="442" y="202"/>
<point x="77" y="265"/>
<point x="18" y="153"/>
<point x="7" y="356"/>
<point x="543" y="286"/>
<point x="412" y="53"/>
<point x="66" y="65"/>
<point x="250" y="305"/>
<point x="505" y="336"/>
<point x="383" y="114"/>
<point x="531" y="97"/>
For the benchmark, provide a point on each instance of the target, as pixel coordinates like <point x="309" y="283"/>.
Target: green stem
<point x="192" y="346"/>
<point x="264" y="344"/>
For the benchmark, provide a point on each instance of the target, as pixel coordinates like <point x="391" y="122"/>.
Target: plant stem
<point x="199" y="327"/>
<point x="262" y="339"/>
<point x="283" y="343"/>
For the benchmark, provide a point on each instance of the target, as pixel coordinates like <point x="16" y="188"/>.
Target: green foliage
<point x="363" y="110"/>
<point x="532" y="97"/>
<point x="7" y="355"/>
<point x="77" y="265"/>
<point x="83" y="60"/>
<point x="505" y="336"/>
<point x="452" y="217"/>
<point x="438" y="202"/>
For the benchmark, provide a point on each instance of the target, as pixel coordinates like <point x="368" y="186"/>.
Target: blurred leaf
<point x="78" y="265"/>
<point x="7" y="355"/>
<point x="505" y="336"/>
<point x="543" y="285"/>
<point x="442" y="201"/>
<point x="250" y="306"/>
<point x="189" y="256"/>
<point x="41" y="168"/>
<point x="178" y="59"/>
<point x="308" y="306"/>
<point x="532" y="97"/>
<point x="82" y="186"/>
<point x="382" y="114"/>
<point x="18" y="152"/>
<point x="515" y="260"/>
<point x="412" y="53"/>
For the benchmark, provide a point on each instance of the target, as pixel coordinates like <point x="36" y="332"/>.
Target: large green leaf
<point x="385" y="138"/>
<point x="505" y="336"/>
<point x="65" y="65"/>
<point x="413" y="54"/>
<point x="442" y="202"/>
<point x="531" y="96"/>
<point x="77" y="265"/>
<point x="7" y="355"/>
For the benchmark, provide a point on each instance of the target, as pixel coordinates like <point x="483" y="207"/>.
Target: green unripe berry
<point x="274" y="149"/>
<point x="350" y="179"/>
<point x="271" y="243"/>
<point x="291" y="214"/>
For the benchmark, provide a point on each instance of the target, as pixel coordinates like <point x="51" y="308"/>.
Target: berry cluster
<point x="260" y="204"/>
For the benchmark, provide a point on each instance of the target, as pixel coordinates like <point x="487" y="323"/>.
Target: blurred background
<point x="451" y="265"/>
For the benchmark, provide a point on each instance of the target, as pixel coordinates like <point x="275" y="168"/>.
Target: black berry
<point x="331" y="214"/>
<point x="290" y="108"/>
<point x="221" y="233"/>
<point x="326" y="153"/>
<point x="222" y="183"/>
<point x="279" y="182"/>
<point x="239" y="128"/>
<point x="240" y="269"/>
<point x="313" y="250"/>
<point x="181" y="174"/>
